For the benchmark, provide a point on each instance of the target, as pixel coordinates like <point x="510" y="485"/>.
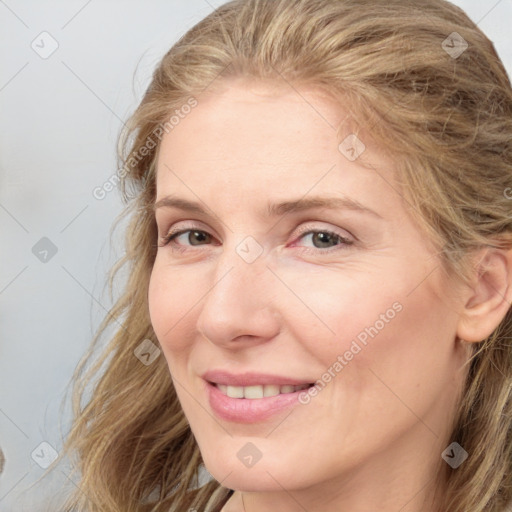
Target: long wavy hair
<point x="429" y="87"/>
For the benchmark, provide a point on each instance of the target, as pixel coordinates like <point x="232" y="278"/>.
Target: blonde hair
<point x="445" y="119"/>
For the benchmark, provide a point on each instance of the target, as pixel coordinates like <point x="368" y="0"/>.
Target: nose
<point x="240" y="308"/>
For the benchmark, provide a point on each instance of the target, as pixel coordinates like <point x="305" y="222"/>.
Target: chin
<point x="246" y="480"/>
<point x="271" y="474"/>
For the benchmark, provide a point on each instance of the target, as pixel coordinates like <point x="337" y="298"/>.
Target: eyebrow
<point x="276" y="209"/>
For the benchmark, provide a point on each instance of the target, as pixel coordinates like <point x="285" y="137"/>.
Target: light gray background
<point x="59" y="119"/>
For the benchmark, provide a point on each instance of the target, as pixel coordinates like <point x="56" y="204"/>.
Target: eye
<point x="191" y="236"/>
<point x="321" y="239"/>
<point x="324" y="239"/>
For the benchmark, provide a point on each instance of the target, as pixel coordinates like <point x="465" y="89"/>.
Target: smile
<point x="251" y="397"/>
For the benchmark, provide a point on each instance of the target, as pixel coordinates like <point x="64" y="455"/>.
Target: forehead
<point x="266" y="139"/>
<point x="235" y="117"/>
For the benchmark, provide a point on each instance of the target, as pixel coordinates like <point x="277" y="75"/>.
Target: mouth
<point x="258" y="391"/>
<point x="251" y="397"/>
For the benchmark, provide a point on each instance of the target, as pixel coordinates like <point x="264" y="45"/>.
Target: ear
<point x="489" y="296"/>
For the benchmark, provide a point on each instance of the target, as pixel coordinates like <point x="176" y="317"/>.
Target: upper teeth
<point x="258" y="391"/>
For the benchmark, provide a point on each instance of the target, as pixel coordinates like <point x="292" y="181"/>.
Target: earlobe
<point x="489" y="297"/>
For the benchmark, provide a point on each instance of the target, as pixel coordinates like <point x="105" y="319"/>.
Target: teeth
<point x="235" y="392"/>
<point x="254" y="392"/>
<point x="270" y="390"/>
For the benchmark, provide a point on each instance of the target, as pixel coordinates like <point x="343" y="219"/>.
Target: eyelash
<point x="169" y="238"/>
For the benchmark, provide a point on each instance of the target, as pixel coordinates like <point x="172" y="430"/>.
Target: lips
<point x="251" y="397"/>
<point x="250" y="379"/>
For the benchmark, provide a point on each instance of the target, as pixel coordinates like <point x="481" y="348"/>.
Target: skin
<point x="372" y="438"/>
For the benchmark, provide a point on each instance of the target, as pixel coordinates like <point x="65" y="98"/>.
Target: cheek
<point x="364" y="324"/>
<point x="337" y="313"/>
<point x="171" y="301"/>
<point x="170" y="304"/>
<point x="402" y="360"/>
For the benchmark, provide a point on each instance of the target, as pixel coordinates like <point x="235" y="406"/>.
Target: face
<point x="255" y="297"/>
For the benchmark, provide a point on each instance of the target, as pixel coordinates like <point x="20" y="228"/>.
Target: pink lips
<point x="243" y="410"/>
<point x="249" y="379"/>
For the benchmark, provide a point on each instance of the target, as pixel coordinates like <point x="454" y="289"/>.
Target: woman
<point x="320" y="278"/>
